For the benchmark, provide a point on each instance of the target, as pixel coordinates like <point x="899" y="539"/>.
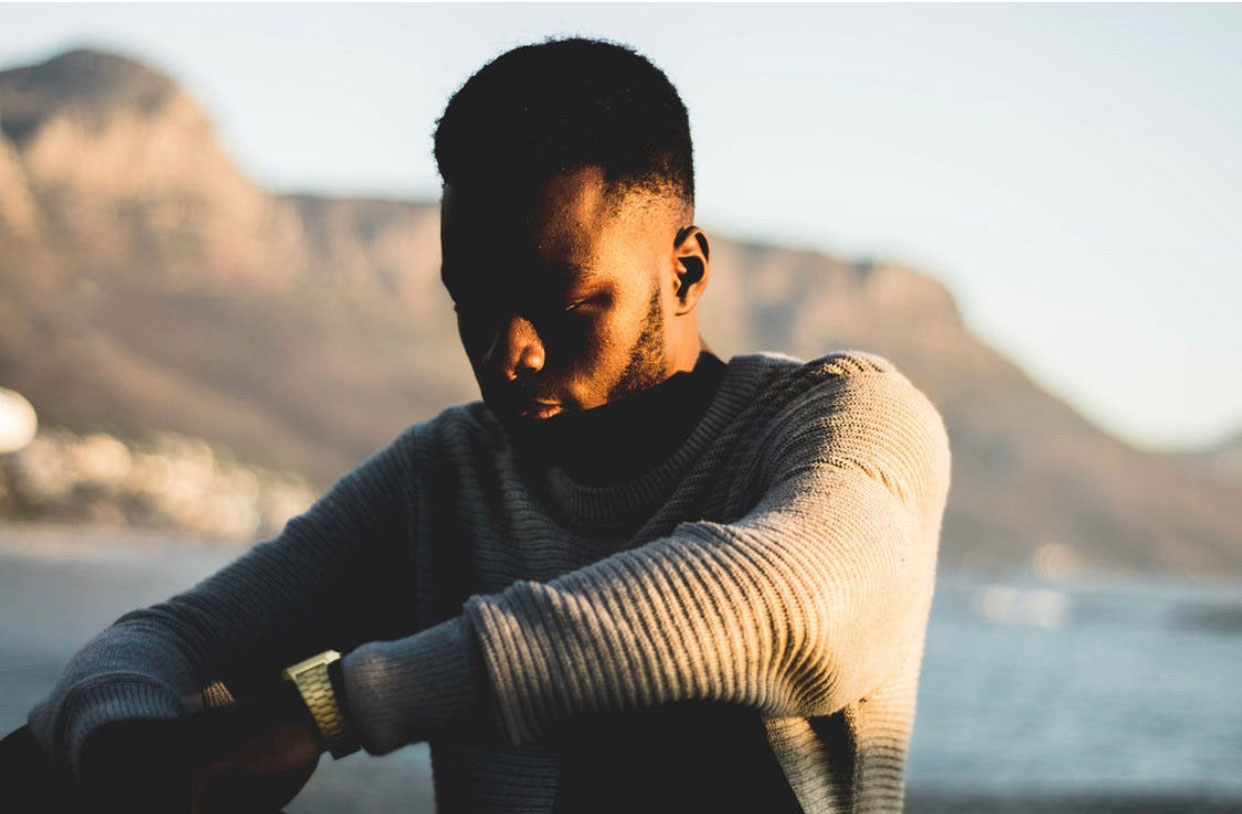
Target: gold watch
<point x="313" y="679"/>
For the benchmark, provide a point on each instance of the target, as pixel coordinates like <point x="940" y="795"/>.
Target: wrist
<point x="102" y="702"/>
<point x="318" y="685"/>
<point x="292" y="707"/>
<point x="336" y="678"/>
<point x="427" y="686"/>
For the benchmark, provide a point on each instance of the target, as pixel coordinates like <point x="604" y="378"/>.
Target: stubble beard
<point x="648" y="360"/>
<point x="544" y="442"/>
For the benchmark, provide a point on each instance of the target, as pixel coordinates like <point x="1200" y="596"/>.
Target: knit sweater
<point x="779" y="564"/>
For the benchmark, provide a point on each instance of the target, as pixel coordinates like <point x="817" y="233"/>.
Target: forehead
<point x="562" y="221"/>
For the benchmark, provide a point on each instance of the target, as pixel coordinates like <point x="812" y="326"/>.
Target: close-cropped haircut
<point x="546" y="108"/>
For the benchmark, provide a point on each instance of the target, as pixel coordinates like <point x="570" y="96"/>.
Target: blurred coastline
<point x="170" y="482"/>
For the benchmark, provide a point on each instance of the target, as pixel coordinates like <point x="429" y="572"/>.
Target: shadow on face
<point x="565" y="293"/>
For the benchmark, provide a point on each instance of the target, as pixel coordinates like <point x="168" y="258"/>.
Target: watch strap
<point x="313" y="679"/>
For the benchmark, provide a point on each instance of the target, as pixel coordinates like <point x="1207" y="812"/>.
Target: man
<point x="633" y="577"/>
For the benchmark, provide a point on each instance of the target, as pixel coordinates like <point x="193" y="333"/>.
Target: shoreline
<point x="68" y="540"/>
<point x="65" y="541"/>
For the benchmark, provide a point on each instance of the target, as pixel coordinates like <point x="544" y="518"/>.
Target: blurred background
<point x="219" y="291"/>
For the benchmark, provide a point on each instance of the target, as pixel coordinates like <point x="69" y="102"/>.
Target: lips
<point x="522" y="401"/>
<point x="539" y="409"/>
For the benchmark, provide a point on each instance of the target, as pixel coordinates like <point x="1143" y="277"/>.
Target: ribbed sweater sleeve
<point x="318" y="584"/>
<point x="798" y="607"/>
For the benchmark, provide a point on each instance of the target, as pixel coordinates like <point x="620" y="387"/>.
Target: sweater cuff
<point x="108" y="700"/>
<point x="431" y="684"/>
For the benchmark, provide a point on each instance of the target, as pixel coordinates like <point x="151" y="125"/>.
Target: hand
<point x="138" y="766"/>
<point x="252" y="762"/>
<point x="254" y="756"/>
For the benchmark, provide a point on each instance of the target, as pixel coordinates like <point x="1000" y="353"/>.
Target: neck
<point x="623" y="439"/>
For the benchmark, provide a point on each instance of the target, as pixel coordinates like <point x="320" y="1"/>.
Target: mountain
<point x="1223" y="458"/>
<point x="146" y="284"/>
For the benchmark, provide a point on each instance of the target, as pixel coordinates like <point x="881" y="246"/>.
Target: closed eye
<point x="581" y="301"/>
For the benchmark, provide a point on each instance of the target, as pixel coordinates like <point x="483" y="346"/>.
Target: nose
<point x="516" y="349"/>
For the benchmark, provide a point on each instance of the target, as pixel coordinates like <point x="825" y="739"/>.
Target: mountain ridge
<point x="146" y="283"/>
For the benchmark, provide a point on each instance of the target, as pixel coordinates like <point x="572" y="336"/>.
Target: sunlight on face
<point x="561" y="295"/>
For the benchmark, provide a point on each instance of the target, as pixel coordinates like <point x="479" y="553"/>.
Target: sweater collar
<point x="638" y="496"/>
<point x="617" y="442"/>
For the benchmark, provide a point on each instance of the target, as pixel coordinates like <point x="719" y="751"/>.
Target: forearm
<point x="740" y="615"/>
<point x="321" y="583"/>
<point x="713" y="612"/>
<point x="803" y="605"/>
<point x="87" y="698"/>
<point x="432" y="684"/>
<point x="139" y="668"/>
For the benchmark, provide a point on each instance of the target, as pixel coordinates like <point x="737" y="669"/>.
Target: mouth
<point x="523" y="404"/>
<point x="539" y="410"/>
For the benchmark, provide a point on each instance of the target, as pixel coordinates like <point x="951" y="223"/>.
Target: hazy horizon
<point x="1070" y="172"/>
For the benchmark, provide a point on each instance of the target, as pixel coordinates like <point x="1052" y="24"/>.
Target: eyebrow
<point x="576" y="272"/>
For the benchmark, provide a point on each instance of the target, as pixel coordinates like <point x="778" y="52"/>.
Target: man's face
<point x="561" y="294"/>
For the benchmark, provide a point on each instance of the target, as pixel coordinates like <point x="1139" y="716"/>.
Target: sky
<point x="1073" y="173"/>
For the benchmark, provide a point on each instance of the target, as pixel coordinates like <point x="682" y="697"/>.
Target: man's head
<point x="566" y="231"/>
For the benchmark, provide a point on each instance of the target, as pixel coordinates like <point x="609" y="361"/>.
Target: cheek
<point x="606" y="342"/>
<point x="580" y="342"/>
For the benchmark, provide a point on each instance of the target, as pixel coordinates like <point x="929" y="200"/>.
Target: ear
<point x="690" y="258"/>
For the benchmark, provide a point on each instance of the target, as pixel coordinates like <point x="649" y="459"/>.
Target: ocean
<point x="1119" y="694"/>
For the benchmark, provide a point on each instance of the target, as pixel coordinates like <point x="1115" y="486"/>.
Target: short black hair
<point x="549" y="107"/>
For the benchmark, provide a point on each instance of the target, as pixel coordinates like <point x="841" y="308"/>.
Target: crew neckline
<point x="625" y="438"/>
<point x="620" y="503"/>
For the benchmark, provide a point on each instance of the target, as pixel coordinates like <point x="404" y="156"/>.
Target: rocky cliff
<point x="146" y="284"/>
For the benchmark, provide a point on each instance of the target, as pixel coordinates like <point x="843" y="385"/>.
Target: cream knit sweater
<point x="782" y="560"/>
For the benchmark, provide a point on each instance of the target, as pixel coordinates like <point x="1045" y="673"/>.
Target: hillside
<point x="146" y="284"/>
<point x="1223" y="458"/>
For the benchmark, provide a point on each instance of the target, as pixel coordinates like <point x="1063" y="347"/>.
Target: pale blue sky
<point x="1072" y="172"/>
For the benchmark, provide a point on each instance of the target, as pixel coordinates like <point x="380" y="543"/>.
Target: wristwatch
<point x="314" y="679"/>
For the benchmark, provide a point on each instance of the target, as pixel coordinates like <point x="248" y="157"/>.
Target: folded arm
<point x="799" y="607"/>
<point x="310" y="588"/>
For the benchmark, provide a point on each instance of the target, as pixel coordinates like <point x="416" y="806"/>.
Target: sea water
<point x="1126" y="686"/>
<point x="1131" y="686"/>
